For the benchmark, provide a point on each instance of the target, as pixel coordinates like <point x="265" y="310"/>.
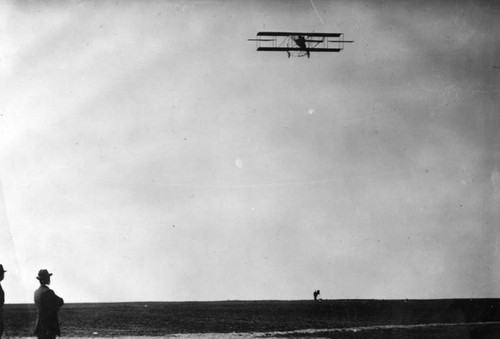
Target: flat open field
<point x="457" y="318"/>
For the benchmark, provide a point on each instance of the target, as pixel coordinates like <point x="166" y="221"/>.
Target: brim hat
<point x="43" y="275"/>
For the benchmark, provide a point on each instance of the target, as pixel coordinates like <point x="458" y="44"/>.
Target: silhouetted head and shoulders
<point x="2" y="272"/>
<point x="44" y="279"/>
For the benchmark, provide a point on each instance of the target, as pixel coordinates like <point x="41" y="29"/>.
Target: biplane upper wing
<point x="327" y="35"/>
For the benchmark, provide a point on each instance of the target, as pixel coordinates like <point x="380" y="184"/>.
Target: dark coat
<point x="2" y="296"/>
<point x="47" y="305"/>
<point x="2" y="302"/>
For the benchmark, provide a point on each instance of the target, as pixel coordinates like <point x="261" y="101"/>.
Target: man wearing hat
<point x="2" y="299"/>
<point x="47" y="305"/>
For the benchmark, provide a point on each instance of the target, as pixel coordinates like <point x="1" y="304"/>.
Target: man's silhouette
<point x="47" y="305"/>
<point x="2" y="299"/>
<point x="315" y="294"/>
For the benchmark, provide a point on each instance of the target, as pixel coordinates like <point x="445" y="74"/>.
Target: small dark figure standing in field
<point x="315" y="294"/>
<point x="2" y="299"/>
<point x="47" y="305"/>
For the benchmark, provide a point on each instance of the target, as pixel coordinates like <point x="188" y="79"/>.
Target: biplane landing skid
<point x="300" y="44"/>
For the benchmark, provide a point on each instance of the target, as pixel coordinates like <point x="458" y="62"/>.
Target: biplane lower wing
<point x="290" y="49"/>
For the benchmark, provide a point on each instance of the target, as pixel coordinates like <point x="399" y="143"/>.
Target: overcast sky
<point x="148" y="152"/>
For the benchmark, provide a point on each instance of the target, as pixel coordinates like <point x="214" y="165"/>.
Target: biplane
<point x="300" y="44"/>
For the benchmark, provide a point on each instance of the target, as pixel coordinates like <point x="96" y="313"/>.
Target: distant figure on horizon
<point x="316" y="294"/>
<point x="47" y="305"/>
<point x="2" y="299"/>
